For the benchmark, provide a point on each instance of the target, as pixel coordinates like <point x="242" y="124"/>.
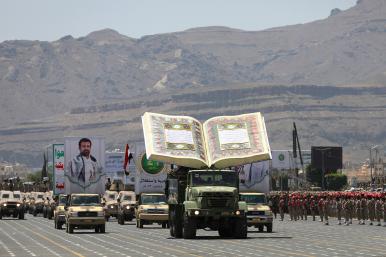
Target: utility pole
<point x="371" y="166"/>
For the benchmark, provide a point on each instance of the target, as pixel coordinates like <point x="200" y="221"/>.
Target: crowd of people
<point x="363" y="207"/>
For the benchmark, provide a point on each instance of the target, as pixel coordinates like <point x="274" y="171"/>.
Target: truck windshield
<point x="40" y="196"/>
<point x="253" y="199"/>
<point x="16" y="196"/>
<point x="85" y="200"/>
<point x="153" y="199"/>
<point x="127" y="198"/>
<point x="62" y="200"/>
<point x="5" y="196"/>
<point x="214" y="178"/>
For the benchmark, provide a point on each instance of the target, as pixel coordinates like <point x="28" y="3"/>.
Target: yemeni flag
<point x="128" y="157"/>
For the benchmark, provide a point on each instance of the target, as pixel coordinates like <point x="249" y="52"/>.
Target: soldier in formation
<point x="345" y="206"/>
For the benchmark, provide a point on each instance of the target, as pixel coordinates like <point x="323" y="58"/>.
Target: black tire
<point x="45" y="213"/>
<point x="66" y="228"/>
<point x="70" y="229"/>
<point x="140" y="223"/>
<point x="261" y="228"/>
<point x="1" y="215"/>
<point x="21" y="215"/>
<point x="241" y="228"/>
<point x="189" y="228"/>
<point x="97" y="229"/>
<point x="55" y="224"/>
<point x="269" y="228"/>
<point x="107" y="218"/>
<point x="225" y="232"/>
<point x="35" y="213"/>
<point x="15" y="215"/>
<point x="102" y="228"/>
<point x="59" y="225"/>
<point x="164" y="225"/>
<point x="49" y="215"/>
<point x="121" y="220"/>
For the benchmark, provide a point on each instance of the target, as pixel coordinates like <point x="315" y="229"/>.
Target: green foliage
<point x="314" y="176"/>
<point x="335" y="181"/>
<point x="34" y="177"/>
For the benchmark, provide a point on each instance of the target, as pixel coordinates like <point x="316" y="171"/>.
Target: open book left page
<point x="174" y="139"/>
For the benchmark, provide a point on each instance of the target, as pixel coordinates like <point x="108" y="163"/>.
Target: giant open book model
<point x="220" y="142"/>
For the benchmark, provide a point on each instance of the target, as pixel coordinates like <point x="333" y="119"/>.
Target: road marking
<point x="18" y="243"/>
<point x="55" y="243"/>
<point x="7" y="249"/>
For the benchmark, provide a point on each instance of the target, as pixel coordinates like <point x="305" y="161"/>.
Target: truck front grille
<point x="217" y="202"/>
<point x="256" y="213"/>
<point x="159" y="211"/>
<point x="87" y="214"/>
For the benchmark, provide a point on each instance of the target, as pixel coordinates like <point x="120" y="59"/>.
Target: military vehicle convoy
<point x="200" y="199"/>
<point x="84" y="211"/>
<point x="259" y="213"/>
<point x="59" y="212"/>
<point x="126" y="206"/>
<point x="10" y="206"/>
<point x="152" y="208"/>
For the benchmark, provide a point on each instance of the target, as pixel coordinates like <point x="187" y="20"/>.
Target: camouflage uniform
<point x="281" y="208"/>
<point x="339" y="208"/>
<point x="358" y="210"/>
<point x="320" y="208"/>
<point x="363" y="206"/>
<point x="371" y="210"/>
<point x="326" y="209"/>
<point x="313" y="207"/>
<point x="378" y="211"/>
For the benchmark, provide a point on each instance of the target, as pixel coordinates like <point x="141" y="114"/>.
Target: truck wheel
<point x="140" y="223"/>
<point x="241" y="228"/>
<point x="59" y="225"/>
<point x="225" y="232"/>
<point x="49" y="216"/>
<point x="269" y="228"/>
<point x="102" y="228"/>
<point x="70" y="228"/>
<point x="164" y="225"/>
<point x="44" y="214"/>
<point x="35" y="212"/>
<point x="21" y="215"/>
<point x="1" y="215"/>
<point x="121" y="220"/>
<point x="55" y="224"/>
<point x="261" y="228"/>
<point x="107" y="218"/>
<point x="189" y="229"/>
<point x="15" y="215"/>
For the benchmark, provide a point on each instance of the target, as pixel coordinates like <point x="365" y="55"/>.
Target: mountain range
<point x="328" y="76"/>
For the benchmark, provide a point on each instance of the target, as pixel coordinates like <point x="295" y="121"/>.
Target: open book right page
<point x="236" y="140"/>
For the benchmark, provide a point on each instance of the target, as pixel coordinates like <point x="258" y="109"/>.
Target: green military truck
<point x="201" y="199"/>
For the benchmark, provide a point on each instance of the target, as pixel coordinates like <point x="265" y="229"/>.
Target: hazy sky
<point x="53" y="19"/>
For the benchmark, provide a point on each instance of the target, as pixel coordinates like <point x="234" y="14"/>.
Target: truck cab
<point x="36" y="203"/>
<point x="259" y="213"/>
<point x="84" y="211"/>
<point x="10" y="206"/>
<point x="152" y="208"/>
<point x="59" y="212"/>
<point x="126" y="206"/>
<point x="200" y="199"/>
<point x="110" y="204"/>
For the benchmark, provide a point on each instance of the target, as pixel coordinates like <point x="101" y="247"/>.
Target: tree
<point x="314" y="176"/>
<point x="335" y="181"/>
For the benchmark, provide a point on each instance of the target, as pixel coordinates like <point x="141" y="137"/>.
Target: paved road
<point x="36" y="236"/>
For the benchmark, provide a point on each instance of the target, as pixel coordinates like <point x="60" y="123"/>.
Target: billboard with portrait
<point x="84" y="160"/>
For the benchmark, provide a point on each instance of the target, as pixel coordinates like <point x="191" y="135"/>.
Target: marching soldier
<point x="339" y="210"/>
<point x="384" y="211"/>
<point x="358" y="210"/>
<point x="378" y="210"/>
<point x="281" y="208"/>
<point x="326" y="209"/>
<point x="347" y="210"/>
<point x="320" y="208"/>
<point x="313" y="207"/>
<point x="363" y="206"/>
<point x="371" y="209"/>
<point x="306" y="204"/>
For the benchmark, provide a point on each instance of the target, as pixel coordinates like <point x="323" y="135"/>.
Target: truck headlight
<point x="238" y="212"/>
<point x="111" y="206"/>
<point x="128" y="207"/>
<point x="18" y="204"/>
<point x="101" y="214"/>
<point x="5" y="205"/>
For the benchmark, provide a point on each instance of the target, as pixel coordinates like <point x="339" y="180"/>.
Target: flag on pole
<point x="128" y="157"/>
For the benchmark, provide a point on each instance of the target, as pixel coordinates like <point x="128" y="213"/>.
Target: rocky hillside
<point x="329" y="76"/>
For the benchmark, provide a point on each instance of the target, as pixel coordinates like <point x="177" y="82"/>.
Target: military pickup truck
<point x="110" y="204"/>
<point x="126" y="206"/>
<point x="152" y="208"/>
<point x="36" y="203"/>
<point x="59" y="213"/>
<point x="259" y="213"/>
<point x="10" y="206"/>
<point x="201" y="199"/>
<point x="84" y="211"/>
